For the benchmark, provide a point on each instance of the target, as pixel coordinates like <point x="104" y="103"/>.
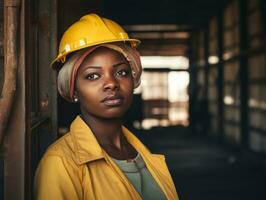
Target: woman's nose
<point x="111" y="83"/>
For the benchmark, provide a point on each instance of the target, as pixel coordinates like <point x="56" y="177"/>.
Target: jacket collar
<point x="86" y="147"/>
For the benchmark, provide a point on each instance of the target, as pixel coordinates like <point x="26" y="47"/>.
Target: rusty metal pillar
<point x="13" y="100"/>
<point x="11" y="15"/>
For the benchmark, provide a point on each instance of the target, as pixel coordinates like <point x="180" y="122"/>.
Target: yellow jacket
<point x="75" y="167"/>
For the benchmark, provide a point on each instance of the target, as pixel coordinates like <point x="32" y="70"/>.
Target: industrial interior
<point x="201" y="103"/>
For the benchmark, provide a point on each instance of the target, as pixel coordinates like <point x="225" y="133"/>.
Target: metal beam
<point x="11" y="15"/>
<point x="244" y="111"/>
<point x="206" y="58"/>
<point x="220" y="88"/>
<point x="14" y="141"/>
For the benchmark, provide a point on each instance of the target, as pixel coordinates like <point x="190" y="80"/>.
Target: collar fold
<point x="86" y="147"/>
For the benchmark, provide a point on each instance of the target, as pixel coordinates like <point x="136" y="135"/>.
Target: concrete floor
<point x="205" y="170"/>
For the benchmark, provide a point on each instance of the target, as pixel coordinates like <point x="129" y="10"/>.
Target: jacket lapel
<point x="86" y="149"/>
<point x="155" y="164"/>
<point x="85" y="145"/>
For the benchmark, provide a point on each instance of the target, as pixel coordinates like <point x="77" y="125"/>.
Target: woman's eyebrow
<point x="89" y="67"/>
<point x="97" y="67"/>
<point x="120" y="63"/>
<point x="115" y="65"/>
<point x="94" y="67"/>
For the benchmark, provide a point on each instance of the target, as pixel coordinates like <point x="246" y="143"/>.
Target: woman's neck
<point x="106" y="131"/>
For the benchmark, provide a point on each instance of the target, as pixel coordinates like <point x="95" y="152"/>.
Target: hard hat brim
<point x="57" y="62"/>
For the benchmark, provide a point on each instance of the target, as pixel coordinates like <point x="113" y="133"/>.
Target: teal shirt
<point x="138" y="174"/>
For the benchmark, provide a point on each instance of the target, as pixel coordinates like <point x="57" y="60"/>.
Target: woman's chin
<point x="110" y="115"/>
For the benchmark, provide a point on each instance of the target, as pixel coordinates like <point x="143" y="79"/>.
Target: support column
<point x="244" y="114"/>
<point x="206" y="58"/>
<point x="220" y="79"/>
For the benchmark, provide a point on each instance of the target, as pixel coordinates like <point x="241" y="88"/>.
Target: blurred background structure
<point x="202" y="101"/>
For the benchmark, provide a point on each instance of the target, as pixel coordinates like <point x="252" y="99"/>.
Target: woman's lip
<point x="113" y="102"/>
<point x="111" y="97"/>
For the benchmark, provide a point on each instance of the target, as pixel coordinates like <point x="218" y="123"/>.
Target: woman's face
<point x="104" y="84"/>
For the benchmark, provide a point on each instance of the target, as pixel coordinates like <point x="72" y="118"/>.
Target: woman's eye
<point x="122" y="72"/>
<point x="92" y="76"/>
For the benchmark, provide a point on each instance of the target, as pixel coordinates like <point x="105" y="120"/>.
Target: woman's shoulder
<point x="58" y="159"/>
<point x="57" y="173"/>
<point x="61" y="148"/>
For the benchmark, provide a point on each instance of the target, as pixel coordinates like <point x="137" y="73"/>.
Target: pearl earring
<point x="76" y="99"/>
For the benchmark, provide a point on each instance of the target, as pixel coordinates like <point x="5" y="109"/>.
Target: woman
<point x="99" y="158"/>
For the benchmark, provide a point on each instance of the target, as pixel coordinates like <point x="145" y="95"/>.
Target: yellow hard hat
<point x="91" y="30"/>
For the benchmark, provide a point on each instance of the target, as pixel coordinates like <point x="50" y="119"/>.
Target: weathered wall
<point x="257" y="77"/>
<point x="233" y="73"/>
